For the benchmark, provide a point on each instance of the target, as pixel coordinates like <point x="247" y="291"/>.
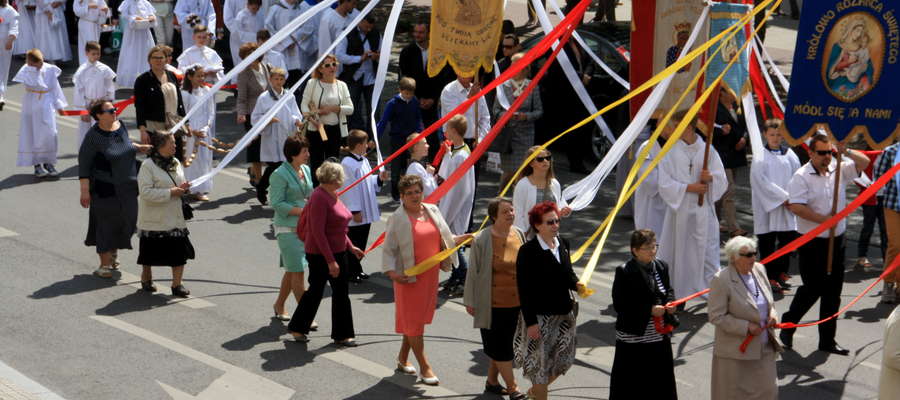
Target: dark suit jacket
<point x="634" y="293"/>
<point x="724" y="144"/>
<point x="426" y="88"/>
<point x="149" y="103"/>
<point x="543" y="282"/>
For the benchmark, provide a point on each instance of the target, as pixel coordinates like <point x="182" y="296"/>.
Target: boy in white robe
<point x="9" y="29"/>
<point x="38" y="137"/>
<point x="273" y="135"/>
<point x="201" y="12"/>
<point x="248" y="22"/>
<point x="93" y="81"/>
<point x="230" y="10"/>
<point x="280" y="14"/>
<point x="50" y="30"/>
<point x="272" y="57"/>
<point x="690" y="235"/>
<point x="309" y="36"/>
<point x="200" y="54"/>
<point x="361" y="199"/>
<point x="25" y="41"/>
<point x="333" y="22"/>
<point x="203" y="129"/>
<point x="456" y="205"/>
<point x="92" y="15"/>
<point x="137" y="17"/>
<point x="649" y="207"/>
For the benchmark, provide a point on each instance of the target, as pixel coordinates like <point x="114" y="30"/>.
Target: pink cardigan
<point x="328" y="219"/>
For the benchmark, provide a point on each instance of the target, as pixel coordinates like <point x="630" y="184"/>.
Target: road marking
<point x="7" y="233"/>
<point x="15" y="386"/>
<point x="236" y="383"/>
<point x="190" y="302"/>
<point x="871" y="365"/>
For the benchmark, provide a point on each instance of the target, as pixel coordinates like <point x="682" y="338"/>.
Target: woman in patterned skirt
<point x="545" y="338"/>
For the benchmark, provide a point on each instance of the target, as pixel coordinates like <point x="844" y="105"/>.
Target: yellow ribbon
<point x="606" y="226"/>
<point x="436" y="259"/>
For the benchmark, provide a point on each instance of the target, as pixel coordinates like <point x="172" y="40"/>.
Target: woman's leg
<point x="283" y="291"/>
<point x="297" y="285"/>
<point x="417" y="343"/>
<point x="505" y="368"/>
<point x="493" y="374"/>
<point x="539" y="391"/>
<point x="146" y="274"/>
<point x="106" y="259"/>
<point x="177" y="273"/>
<point x="403" y="357"/>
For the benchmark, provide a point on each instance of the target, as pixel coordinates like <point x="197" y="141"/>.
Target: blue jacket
<point x="404" y="117"/>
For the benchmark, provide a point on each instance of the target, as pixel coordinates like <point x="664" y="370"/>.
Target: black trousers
<point x="359" y="236"/>
<point x="294" y="75"/>
<point x="768" y="243"/>
<point x="871" y="215"/>
<point x="341" y="313"/>
<point x="429" y="117"/>
<point x="818" y="285"/>
<point x="361" y="95"/>
<point x="262" y="188"/>
<point x="320" y="151"/>
<point x="398" y="166"/>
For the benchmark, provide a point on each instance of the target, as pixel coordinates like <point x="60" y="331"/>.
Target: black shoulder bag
<point x="186" y="210"/>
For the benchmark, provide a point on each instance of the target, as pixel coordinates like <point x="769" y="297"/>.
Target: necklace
<point x="748" y="287"/>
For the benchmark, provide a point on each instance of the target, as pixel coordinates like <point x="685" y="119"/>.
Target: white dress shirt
<point x="455" y="94"/>
<point x="817" y="191"/>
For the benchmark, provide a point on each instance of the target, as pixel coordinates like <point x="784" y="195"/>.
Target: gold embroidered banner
<point x="464" y="33"/>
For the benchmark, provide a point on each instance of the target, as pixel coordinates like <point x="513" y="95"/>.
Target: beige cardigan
<point x="480" y="277"/>
<point x="732" y="308"/>
<point x="157" y="209"/>
<point x="398" y="253"/>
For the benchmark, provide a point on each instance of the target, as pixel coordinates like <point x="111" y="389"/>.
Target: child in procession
<point x="198" y="158"/>
<point x="272" y="57"/>
<point x="247" y="24"/>
<point x="9" y="29"/>
<point x="201" y="54"/>
<point x="361" y="199"/>
<point x="456" y="205"/>
<point x="51" y="34"/>
<point x="38" y="136"/>
<point x="278" y="129"/>
<point x="92" y="15"/>
<point x="93" y="81"/>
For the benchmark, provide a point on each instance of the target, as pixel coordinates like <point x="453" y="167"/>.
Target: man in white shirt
<point x="358" y="55"/>
<point x="454" y="94"/>
<point x="334" y="21"/>
<point x="811" y="193"/>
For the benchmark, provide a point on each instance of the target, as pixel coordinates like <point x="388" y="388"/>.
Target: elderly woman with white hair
<point x="740" y="304"/>
<point x="327" y="248"/>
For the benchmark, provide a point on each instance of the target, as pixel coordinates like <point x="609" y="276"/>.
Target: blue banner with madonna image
<point x="737" y="79"/>
<point x="846" y="76"/>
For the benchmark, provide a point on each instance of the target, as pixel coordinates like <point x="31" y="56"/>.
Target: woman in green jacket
<point x="289" y="187"/>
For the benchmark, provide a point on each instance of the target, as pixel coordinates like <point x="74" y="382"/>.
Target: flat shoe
<point x="314" y="326"/>
<point x="299" y="337"/>
<point x="518" y="396"/>
<point x="281" y="317"/>
<point x="346" y="343"/>
<point x="431" y="380"/>
<point x="180" y="291"/>
<point x="406" y="369"/>
<point x="495" y="389"/>
<point x="148" y="286"/>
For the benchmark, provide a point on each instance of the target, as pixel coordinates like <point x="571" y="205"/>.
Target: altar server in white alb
<point x="137" y="17"/>
<point x="272" y="57"/>
<point x="38" y="138"/>
<point x="191" y="13"/>
<point x="245" y="25"/>
<point x="93" y="81"/>
<point x="9" y="31"/>
<point x="51" y="34"/>
<point x="309" y="35"/>
<point x="201" y="54"/>
<point x="773" y="222"/>
<point x="649" y="207"/>
<point x="690" y="236"/>
<point x="230" y="10"/>
<point x="203" y="129"/>
<point x="25" y="40"/>
<point x="456" y="205"/>
<point x="280" y="14"/>
<point x="92" y="15"/>
<point x="333" y="22"/>
<point x="361" y="199"/>
<point x="273" y="135"/>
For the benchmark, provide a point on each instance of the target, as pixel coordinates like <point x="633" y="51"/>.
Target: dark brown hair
<point x="494" y="206"/>
<point x="186" y="84"/>
<point x="355" y="138"/>
<point x="408" y="181"/>
<point x="91" y="45"/>
<point x="293" y="146"/>
<point x="96" y="108"/>
<point x="641" y="237"/>
<point x="246" y="49"/>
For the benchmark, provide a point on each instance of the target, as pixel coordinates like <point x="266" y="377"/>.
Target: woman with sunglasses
<point x="741" y="304"/>
<point x="107" y="171"/>
<point x="536" y="185"/>
<point x="326" y="105"/>
<point x="544" y="344"/>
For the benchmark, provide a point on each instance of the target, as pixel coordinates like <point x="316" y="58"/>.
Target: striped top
<point x="650" y="334"/>
<point x="107" y="156"/>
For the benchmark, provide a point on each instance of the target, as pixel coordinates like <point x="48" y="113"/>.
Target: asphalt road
<point x="88" y="338"/>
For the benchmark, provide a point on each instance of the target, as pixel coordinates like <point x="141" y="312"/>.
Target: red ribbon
<point x="440" y="154"/>
<point x="120" y="106"/>
<point x="660" y="327"/>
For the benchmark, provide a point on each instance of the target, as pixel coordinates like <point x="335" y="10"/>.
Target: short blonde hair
<point x="330" y="172"/>
<point x="278" y="71"/>
<point x="459" y="124"/>
<point x="734" y="245"/>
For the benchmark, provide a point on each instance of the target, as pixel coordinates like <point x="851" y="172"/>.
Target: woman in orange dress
<point x="415" y="232"/>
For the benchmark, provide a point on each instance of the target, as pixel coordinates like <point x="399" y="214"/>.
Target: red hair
<point x="536" y="215"/>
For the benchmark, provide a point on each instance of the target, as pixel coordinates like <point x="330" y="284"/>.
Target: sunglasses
<point x="551" y="222"/>
<point x="109" y="111"/>
<point x="824" y="152"/>
<point x="542" y="159"/>
<point x="748" y="255"/>
<point x="329" y="65"/>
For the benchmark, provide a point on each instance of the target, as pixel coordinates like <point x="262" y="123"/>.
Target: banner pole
<point x="710" y="129"/>
<point x="834" y="204"/>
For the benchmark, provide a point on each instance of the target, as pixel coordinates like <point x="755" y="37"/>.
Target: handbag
<point x="186" y="210"/>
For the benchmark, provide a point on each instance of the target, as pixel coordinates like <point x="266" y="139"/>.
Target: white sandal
<point x="407" y="369"/>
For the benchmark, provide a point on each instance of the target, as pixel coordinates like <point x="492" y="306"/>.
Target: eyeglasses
<point x="329" y="65"/>
<point x="751" y="254"/>
<point x="652" y="247"/>
<point x="412" y="193"/>
<point x="544" y="158"/>
<point x="551" y="222"/>
<point x="109" y="111"/>
<point x="824" y="152"/>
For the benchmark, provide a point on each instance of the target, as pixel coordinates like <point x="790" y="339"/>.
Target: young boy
<point x="360" y="199"/>
<point x="272" y="57"/>
<point x="281" y="13"/>
<point x="93" y="81"/>
<point x="9" y="31"/>
<point x="403" y="114"/>
<point x="244" y="28"/>
<point x="51" y="33"/>
<point x="92" y="15"/>
<point x="456" y="205"/>
<point x="278" y="129"/>
<point x="192" y="14"/>
<point x="199" y="53"/>
<point x="38" y="138"/>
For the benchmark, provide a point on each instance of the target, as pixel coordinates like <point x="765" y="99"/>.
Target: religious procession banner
<point x="846" y="72"/>
<point x="464" y="33"/>
<point x="660" y="30"/>
<point x="736" y="80"/>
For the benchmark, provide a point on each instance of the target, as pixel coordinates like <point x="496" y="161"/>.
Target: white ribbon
<point x="585" y="190"/>
<point x="264" y="121"/>
<point x="384" y="58"/>
<point x="571" y="75"/>
<point x="259" y="52"/>
<point x="756" y="144"/>
<point x="590" y="52"/>
<point x="765" y="74"/>
<point x="501" y="97"/>
<point x="784" y="81"/>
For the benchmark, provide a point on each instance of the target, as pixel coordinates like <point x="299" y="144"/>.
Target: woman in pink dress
<point x="415" y="232"/>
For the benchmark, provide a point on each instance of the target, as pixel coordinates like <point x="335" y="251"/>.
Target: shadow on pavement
<point x="385" y="389"/>
<point x="135" y="302"/>
<point x="78" y="284"/>
<point x="294" y="355"/>
<point x="265" y="334"/>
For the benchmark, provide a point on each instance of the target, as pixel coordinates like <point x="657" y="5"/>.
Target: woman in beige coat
<point x="740" y="304"/>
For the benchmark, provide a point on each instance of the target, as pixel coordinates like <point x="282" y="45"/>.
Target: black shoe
<point x="363" y="275"/>
<point x="346" y="343"/>
<point x="355" y="279"/>
<point x="497" y="389"/>
<point x="148" y="286"/>
<point x="787" y="338"/>
<point x="180" y="291"/>
<point x="834" y="349"/>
